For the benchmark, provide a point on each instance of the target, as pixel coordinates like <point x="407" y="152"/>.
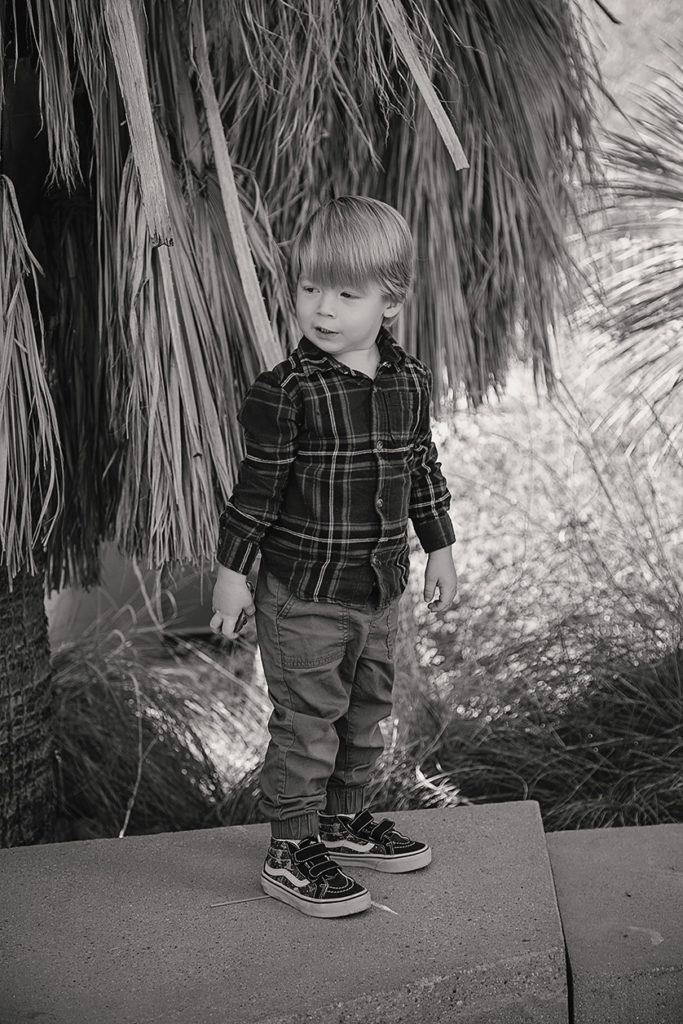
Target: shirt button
<point x="379" y="446"/>
<point x="379" y="503"/>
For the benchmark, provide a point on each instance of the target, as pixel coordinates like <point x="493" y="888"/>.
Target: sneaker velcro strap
<point x="364" y="822"/>
<point x="361" y="821"/>
<point x="382" y="828"/>
<point x="317" y="860"/>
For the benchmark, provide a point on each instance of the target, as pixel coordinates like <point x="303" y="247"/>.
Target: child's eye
<point x="307" y="288"/>
<point x="348" y="295"/>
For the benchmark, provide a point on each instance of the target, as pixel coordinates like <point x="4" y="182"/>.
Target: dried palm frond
<point x="132" y="79"/>
<point x="30" y="457"/>
<point x="77" y="369"/>
<point x="179" y="353"/>
<point x="50" y="23"/>
<point x="396" y="23"/>
<point x="309" y="92"/>
<point x="492" y="250"/>
<point x="166" y="481"/>
<point x="315" y="99"/>
<point x="519" y="81"/>
<point x="211" y="364"/>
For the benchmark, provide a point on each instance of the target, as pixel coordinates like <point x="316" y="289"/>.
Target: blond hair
<point x="352" y="240"/>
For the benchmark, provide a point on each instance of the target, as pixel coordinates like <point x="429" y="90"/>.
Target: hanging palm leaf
<point x="30" y="457"/>
<point x="77" y="370"/>
<point x="396" y="23"/>
<point x="309" y="92"/>
<point x="492" y="242"/>
<point x="130" y="69"/>
<point x="518" y="78"/>
<point x="178" y="343"/>
<point x="49" y="23"/>
<point x="314" y="99"/>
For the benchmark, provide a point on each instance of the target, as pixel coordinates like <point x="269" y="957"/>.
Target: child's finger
<point x="224" y="625"/>
<point x="446" y="598"/>
<point x="228" y="630"/>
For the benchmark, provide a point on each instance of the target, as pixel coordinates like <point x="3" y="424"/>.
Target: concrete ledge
<point x="620" y="892"/>
<point x="123" y="931"/>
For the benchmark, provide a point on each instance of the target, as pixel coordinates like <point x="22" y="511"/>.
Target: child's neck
<point x="365" y="361"/>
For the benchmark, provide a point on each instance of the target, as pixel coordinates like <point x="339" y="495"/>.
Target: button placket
<point x="378" y="447"/>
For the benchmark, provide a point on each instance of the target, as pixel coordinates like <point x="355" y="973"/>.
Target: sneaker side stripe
<point x="300" y="883"/>
<point x="349" y="844"/>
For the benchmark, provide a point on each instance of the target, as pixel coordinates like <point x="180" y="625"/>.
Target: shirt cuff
<point x="434" y="534"/>
<point x="236" y="554"/>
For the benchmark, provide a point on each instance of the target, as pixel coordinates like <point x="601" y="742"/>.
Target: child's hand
<point x="231" y="596"/>
<point x="440" y="572"/>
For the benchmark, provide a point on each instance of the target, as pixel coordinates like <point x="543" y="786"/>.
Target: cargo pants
<point x="330" y="672"/>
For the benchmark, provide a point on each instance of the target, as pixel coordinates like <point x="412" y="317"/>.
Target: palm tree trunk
<point x="27" y="786"/>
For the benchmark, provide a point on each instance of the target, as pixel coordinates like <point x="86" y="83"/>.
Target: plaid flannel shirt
<point x="336" y="464"/>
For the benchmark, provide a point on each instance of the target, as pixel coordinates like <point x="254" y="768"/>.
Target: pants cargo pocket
<point x="309" y="633"/>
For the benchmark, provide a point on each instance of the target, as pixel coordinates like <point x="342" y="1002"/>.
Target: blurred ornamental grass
<point x="557" y="677"/>
<point x="606" y="751"/>
<point x="151" y="738"/>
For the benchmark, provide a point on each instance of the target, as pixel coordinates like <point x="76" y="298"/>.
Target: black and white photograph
<point x="341" y="512"/>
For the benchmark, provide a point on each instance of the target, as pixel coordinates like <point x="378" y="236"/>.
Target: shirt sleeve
<point x="271" y="429"/>
<point x="430" y="498"/>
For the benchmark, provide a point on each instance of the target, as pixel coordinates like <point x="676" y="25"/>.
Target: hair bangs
<point x="353" y="240"/>
<point x="336" y="261"/>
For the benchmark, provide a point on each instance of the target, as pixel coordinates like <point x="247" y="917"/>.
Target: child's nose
<point x="326" y="304"/>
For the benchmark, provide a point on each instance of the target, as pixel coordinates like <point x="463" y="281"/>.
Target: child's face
<point x="341" y="320"/>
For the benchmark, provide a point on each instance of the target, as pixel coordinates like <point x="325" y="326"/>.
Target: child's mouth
<point x="323" y="330"/>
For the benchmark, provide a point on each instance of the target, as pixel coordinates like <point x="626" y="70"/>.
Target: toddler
<point x="339" y="456"/>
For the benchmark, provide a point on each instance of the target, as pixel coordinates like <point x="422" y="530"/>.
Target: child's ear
<point x="392" y="309"/>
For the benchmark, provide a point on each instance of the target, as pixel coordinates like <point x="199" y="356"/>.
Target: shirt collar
<point x="313" y="360"/>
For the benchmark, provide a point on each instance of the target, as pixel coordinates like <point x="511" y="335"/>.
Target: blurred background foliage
<point x="557" y="676"/>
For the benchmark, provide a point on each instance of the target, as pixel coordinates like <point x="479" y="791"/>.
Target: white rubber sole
<point x="317" y="908"/>
<point x="395" y="865"/>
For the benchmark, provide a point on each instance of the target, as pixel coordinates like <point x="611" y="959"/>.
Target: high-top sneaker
<point x="360" y="841"/>
<point x="301" y="873"/>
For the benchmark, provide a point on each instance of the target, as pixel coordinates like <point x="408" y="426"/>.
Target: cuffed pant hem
<point x="295" y="828"/>
<point x="344" y="799"/>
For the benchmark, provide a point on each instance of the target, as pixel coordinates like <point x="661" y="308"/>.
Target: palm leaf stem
<point x="125" y="47"/>
<point x="266" y="343"/>
<point x="397" y="26"/>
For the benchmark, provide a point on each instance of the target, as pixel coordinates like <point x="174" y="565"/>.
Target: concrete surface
<point x="620" y="892"/>
<point x="123" y="931"/>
